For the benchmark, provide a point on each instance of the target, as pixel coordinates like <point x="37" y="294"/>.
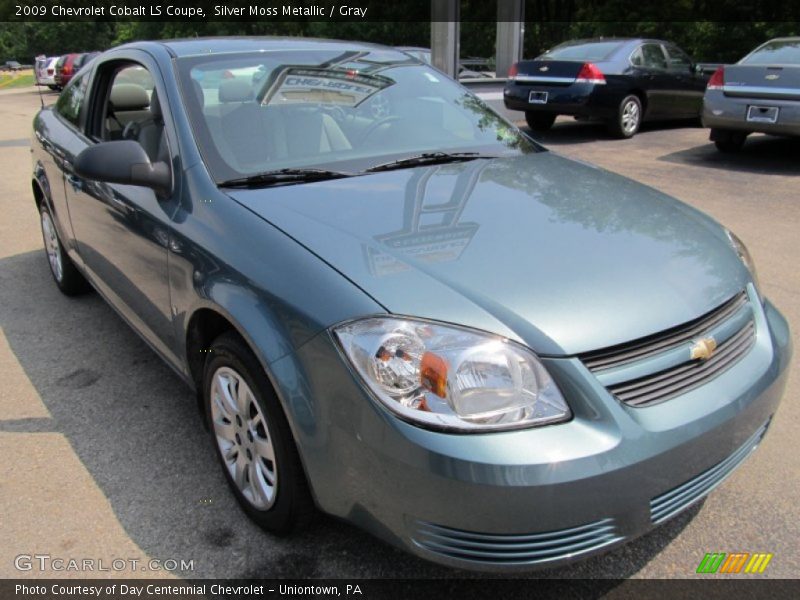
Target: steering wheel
<point x="377" y="124"/>
<point x="379" y="106"/>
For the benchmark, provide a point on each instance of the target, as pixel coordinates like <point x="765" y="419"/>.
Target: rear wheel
<point x="728" y="141"/>
<point x="540" y="121"/>
<point x="629" y="118"/>
<point x="253" y="440"/>
<point x="66" y="275"/>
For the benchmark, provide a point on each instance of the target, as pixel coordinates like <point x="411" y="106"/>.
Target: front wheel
<point x="629" y="118"/>
<point x="539" y="121"/>
<point x="66" y="275"/>
<point x="253" y="440"/>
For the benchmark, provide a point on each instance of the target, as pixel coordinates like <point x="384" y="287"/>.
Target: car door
<point x="123" y="231"/>
<point x="686" y="86"/>
<point x="653" y="77"/>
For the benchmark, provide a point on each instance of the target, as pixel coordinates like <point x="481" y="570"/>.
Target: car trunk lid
<point x="550" y="72"/>
<point x="762" y="81"/>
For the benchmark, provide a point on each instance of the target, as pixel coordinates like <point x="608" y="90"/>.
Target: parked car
<point x="760" y="93"/>
<point x="65" y="69"/>
<point x="12" y="65"/>
<point x="45" y="71"/>
<point x="84" y="59"/>
<point x="468" y="68"/>
<point x="622" y="82"/>
<point x="416" y="319"/>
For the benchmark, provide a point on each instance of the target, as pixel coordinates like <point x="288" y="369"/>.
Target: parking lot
<point x="105" y="455"/>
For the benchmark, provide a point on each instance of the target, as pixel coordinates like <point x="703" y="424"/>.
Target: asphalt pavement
<point x="104" y="454"/>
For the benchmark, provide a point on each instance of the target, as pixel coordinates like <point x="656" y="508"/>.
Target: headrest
<point x="235" y="90"/>
<point x="129" y="96"/>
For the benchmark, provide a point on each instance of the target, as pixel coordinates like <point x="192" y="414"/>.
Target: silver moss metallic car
<point x="399" y="310"/>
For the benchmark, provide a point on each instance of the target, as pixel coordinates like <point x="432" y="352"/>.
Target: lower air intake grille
<point x="515" y="548"/>
<point x="671" y="503"/>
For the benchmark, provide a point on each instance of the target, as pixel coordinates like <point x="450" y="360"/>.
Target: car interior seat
<point x="127" y="103"/>
<point x="150" y="133"/>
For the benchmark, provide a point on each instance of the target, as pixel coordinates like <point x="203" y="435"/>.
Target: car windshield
<point x="328" y="109"/>
<point x="586" y="51"/>
<point x="776" y="52"/>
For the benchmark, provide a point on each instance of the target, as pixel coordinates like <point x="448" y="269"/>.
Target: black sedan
<point x="620" y="81"/>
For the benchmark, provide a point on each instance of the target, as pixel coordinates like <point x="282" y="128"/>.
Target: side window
<point x="71" y="100"/>
<point x="678" y="59"/>
<point x="132" y="111"/>
<point x="637" y="60"/>
<point x="654" y="56"/>
<point x="128" y="102"/>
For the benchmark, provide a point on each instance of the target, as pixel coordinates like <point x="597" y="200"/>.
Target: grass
<point x="16" y="80"/>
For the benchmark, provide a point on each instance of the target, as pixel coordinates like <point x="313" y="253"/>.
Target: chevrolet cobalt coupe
<point x="396" y="308"/>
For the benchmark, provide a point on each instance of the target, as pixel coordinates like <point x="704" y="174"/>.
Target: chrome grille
<point x="676" y="500"/>
<point x="673" y="382"/>
<point x="616" y="356"/>
<point x="516" y="548"/>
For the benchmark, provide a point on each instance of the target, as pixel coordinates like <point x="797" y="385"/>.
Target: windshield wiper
<point x="284" y="176"/>
<point x="428" y="158"/>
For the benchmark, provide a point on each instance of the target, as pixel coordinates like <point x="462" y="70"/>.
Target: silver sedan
<point x="760" y="93"/>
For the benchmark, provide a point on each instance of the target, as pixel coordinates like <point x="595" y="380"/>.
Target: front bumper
<point x="729" y="113"/>
<point x="538" y="497"/>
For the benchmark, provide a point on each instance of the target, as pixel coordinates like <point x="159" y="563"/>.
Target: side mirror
<point x="125" y="162"/>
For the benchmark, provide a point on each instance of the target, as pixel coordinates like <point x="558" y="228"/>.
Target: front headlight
<point x="743" y="253"/>
<point x="451" y="378"/>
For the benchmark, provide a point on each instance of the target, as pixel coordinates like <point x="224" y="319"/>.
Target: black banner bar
<point x="369" y="589"/>
<point x="541" y="11"/>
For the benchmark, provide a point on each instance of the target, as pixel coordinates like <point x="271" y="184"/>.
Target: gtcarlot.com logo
<point x="734" y="562"/>
<point x="48" y="562"/>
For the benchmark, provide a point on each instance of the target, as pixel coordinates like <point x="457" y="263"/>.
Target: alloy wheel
<point x="243" y="438"/>
<point x="630" y="117"/>
<point x="51" y="246"/>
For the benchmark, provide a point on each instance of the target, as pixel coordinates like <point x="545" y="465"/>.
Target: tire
<point x="629" y="118"/>
<point x="730" y="143"/>
<point x="66" y="275"/>
<point x="539" y="121"/>
<point x="252" y="439"/>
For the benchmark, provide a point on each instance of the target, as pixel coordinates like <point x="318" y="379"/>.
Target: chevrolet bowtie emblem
<point x="545" y="68"/>
<point x="703" y="349"/>
<point x="772" y="77"/>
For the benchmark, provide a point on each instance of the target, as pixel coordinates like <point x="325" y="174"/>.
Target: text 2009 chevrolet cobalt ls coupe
<point x="396" y="308"/>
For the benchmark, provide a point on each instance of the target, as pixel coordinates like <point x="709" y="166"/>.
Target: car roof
<point x="621" y="40"/>
<point x="223" y="45"/>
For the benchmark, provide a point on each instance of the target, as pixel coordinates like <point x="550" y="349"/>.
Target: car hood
<point x="554" y="253"/>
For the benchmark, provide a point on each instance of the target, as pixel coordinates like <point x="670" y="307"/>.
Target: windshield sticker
<point x="305" y="85"/>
